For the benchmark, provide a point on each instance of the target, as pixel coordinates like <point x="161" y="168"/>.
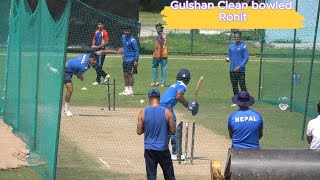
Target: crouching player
<point x="77" y="66"/>
<point x="175" y="94"/>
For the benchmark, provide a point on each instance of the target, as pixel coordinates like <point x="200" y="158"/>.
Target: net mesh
<point x="83" y="23"/>
<point x="36" y="42"/>
<point x="4" y="30"/>
<point x="287" y="61"/>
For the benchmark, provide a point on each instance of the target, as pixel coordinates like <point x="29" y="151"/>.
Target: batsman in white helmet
<point x="173" y="95"/>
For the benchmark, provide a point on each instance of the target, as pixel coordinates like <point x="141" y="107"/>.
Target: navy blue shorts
<point x="67" y="77"/>
<point x="129" y="67"/>
<point x="153" y="158"/>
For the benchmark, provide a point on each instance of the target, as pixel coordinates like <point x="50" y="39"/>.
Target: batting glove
<point x="194" y="108"/>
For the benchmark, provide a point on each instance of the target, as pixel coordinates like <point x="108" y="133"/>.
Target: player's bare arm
<point x="93" y="42"/>
<point x="230" y="133"/>
<point x="181" y="99"/>
<point x="169" y="117"/>
<point x="104" y="52"/>
<point x="260" y="133"/>
<point x="140" y="129"/>
<point x="120" y="50"/>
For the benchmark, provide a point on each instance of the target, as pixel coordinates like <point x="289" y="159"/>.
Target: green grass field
<point x="217" y="44"/>
<point x="282" y="129"/>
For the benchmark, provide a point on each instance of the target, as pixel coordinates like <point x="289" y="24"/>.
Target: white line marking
<point x="104" y="163"/>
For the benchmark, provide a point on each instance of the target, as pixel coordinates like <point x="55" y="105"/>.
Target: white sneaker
<point x="129" y="93"/>
<point x="123" y="93"/>
<point x="234" y="105"/>
<point x="106" y="79"/>
<point x="174" y="157"/>
<point x="162" y="85"/>
<point x="95" y="83"/>
<point x="155" y="84"/>
<point x="68" y="113"/>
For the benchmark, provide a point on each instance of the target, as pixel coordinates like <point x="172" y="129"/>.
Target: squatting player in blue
<point x="77" y="66"/>
<point x="238" y="55"/>
<point x="175" y="94"/>
<point x="245" y="125"/>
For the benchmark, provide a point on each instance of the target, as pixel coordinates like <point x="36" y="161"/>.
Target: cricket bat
<point x="198" y="88"/>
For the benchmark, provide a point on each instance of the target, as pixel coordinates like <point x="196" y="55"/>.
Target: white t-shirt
<point x="314" y="131"/>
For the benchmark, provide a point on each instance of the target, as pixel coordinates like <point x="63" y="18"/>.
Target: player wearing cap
<point x="173" y="95"/>
<point x="77" y="66"/>
<point x="156" y="122"/>
<point x="99" y="42"/>
<point x="160" y="56"/>
<point x="130" y="60"/>
<point x="245" y="125"/>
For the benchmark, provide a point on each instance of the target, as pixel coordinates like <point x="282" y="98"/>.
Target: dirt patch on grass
<point x="110" y="137"/>
<point x="13" y="152"/>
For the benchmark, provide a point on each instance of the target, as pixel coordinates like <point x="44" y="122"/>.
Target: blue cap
<point x="154" y="93"/>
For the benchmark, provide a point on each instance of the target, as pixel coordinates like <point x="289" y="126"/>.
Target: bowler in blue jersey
<point x="78" y="66"/>
<point x="238" y="55"/>
<point x="156" y="122"/>
<point x="245" y="125"/>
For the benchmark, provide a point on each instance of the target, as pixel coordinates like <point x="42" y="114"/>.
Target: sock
<point x="130" y="89"/>
<point x="66" y="106"/>
<point x="126" y="88"/>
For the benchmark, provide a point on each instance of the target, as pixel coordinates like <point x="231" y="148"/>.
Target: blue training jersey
<point x="238" y="55"/>
<point x="245" y="126"/>
<point x="78" y="65"/>
<point x="130" y="49"/>
<point x="169" y="97"/>
<point x="155" y="128"/>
